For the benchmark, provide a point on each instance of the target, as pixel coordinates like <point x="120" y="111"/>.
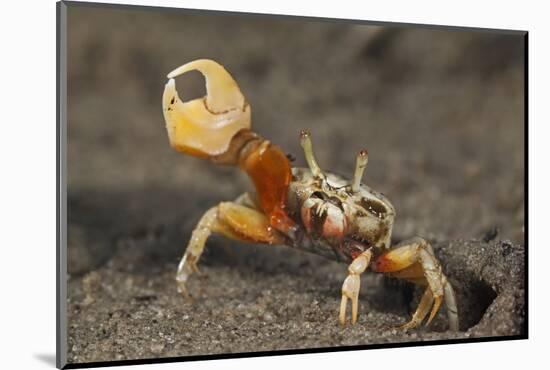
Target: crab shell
<point x="338" y="222"/>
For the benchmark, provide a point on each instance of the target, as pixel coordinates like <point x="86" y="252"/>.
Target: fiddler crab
<point x="304" y="208"/>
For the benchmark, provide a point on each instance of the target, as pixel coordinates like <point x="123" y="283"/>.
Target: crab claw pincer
<point x="205" y="126"/>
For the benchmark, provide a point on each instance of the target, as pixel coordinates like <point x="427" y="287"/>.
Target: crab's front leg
<point x="237" y="220"/>
<point x="414" y="260"/>
<point x="350" y="288"/>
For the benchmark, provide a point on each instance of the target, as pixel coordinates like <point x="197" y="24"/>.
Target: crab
<point x="304" y="208"/>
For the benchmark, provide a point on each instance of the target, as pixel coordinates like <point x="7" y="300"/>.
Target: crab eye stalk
<point x="204" y="127"/>
<point x="360" y="164"/>
<point x="305" y="141"/>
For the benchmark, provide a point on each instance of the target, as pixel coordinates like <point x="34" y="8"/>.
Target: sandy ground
<point x="441" y="113"/>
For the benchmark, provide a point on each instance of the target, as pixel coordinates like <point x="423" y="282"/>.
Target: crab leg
<point x="415" y="260"/>
<point x="423" y="308"/>
<point x="236" y="220"/>
<point x="350" y="288"/>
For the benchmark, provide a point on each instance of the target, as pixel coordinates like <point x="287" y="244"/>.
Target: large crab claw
<point x="204" y="127"/>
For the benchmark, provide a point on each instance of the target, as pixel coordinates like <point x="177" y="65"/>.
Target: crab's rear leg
<point x="414" y="260"/>
<point x="237" y="220"/>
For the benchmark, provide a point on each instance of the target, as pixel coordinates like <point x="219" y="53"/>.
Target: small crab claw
<point x="204" y="127"/>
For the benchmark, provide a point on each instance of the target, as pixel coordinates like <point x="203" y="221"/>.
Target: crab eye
<point x="374" y="207"/>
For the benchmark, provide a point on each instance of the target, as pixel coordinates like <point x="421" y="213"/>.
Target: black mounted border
<point x="61" y="185"/>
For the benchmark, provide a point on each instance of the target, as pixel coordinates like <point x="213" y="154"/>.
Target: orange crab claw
<point x="204" y="127"/>
<point x="217" y="127"/>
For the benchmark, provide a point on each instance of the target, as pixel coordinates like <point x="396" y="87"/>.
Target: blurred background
<point x="441" y="113"/>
